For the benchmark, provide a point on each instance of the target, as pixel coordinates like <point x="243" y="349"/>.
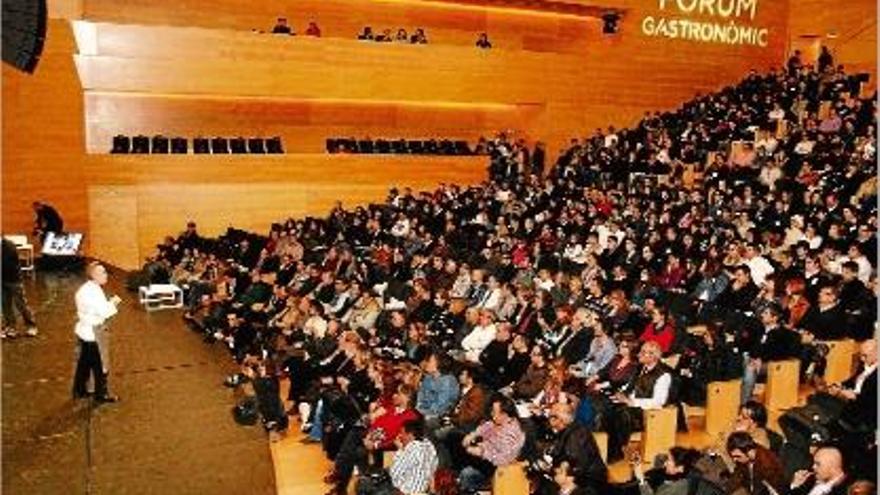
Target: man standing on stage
<point x="93" y="310"/>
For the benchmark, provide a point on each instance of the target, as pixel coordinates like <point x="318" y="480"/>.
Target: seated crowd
<point x="282" y="27"/>
<point x="418" y="36"/>
<point x="468" y="328"/>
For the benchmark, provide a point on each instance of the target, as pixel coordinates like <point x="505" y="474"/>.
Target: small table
<point x="161" y="296"/>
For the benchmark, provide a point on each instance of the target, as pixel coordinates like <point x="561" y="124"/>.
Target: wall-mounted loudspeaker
<point x="24" y="31"/>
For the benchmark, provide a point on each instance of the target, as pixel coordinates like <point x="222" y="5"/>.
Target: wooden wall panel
<point x="387" y="170"/>
<point x="332" y="87"/>
<point x="444" y="24"/>
<point x="303" y="125"/>
<point x="43" y="137"/>
<point x="854" y="23"/>
<point x="247" y="192"/>
<point x="113" y="225"/>
<point x="549" y="77"/>
<point x="65" y="9"/>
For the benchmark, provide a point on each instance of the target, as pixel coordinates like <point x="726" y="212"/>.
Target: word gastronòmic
<point x="727" y="31"/>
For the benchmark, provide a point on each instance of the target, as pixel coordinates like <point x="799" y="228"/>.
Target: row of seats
<point x="398" y="146"/>
<point x="179" y="145"/>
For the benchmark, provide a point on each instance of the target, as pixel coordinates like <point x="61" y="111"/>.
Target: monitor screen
<point x="66" y="244"/>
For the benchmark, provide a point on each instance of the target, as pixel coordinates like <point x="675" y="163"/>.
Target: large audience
<point x="468" y="328"/>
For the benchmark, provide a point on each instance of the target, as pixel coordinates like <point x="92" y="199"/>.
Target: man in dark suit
<point x="538" y="158"/>
<point x="281" y="27"/>
<point x="574" y="443"/>
<point x="777" y="343"/>
<point x="824" y="320"/>
<point x="859" y="392"/>
<point x="575" y="346"/>
<point x="857" y="301"/>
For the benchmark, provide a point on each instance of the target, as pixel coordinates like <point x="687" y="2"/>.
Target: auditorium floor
<point x="171" y="434"/>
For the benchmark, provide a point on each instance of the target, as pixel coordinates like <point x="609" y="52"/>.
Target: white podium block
<point x="160" y="296"/>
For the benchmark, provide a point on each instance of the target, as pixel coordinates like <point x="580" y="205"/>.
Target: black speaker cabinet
<point x="24" y="32"/>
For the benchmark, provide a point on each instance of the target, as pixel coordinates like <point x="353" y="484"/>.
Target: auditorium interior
<point x="412" y="247"/>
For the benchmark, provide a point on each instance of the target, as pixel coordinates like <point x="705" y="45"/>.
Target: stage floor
<point x="172" y="433"/>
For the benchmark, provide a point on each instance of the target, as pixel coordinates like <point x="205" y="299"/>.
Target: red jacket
<point x="391" y="423"/>
<point x="664" y="337"/>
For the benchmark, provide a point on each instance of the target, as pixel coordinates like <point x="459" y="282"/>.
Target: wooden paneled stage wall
<point x="242" y="192"/>
<point x="194" y="68"/>
<point x="43" y="136"/>
<point x="141" y="79"/>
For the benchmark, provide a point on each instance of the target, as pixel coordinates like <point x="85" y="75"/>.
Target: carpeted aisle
<point x="171" y="434"/>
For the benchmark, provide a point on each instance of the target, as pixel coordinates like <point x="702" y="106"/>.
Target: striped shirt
<point x="501" y="443"/>
<point x="413" y="467"/>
